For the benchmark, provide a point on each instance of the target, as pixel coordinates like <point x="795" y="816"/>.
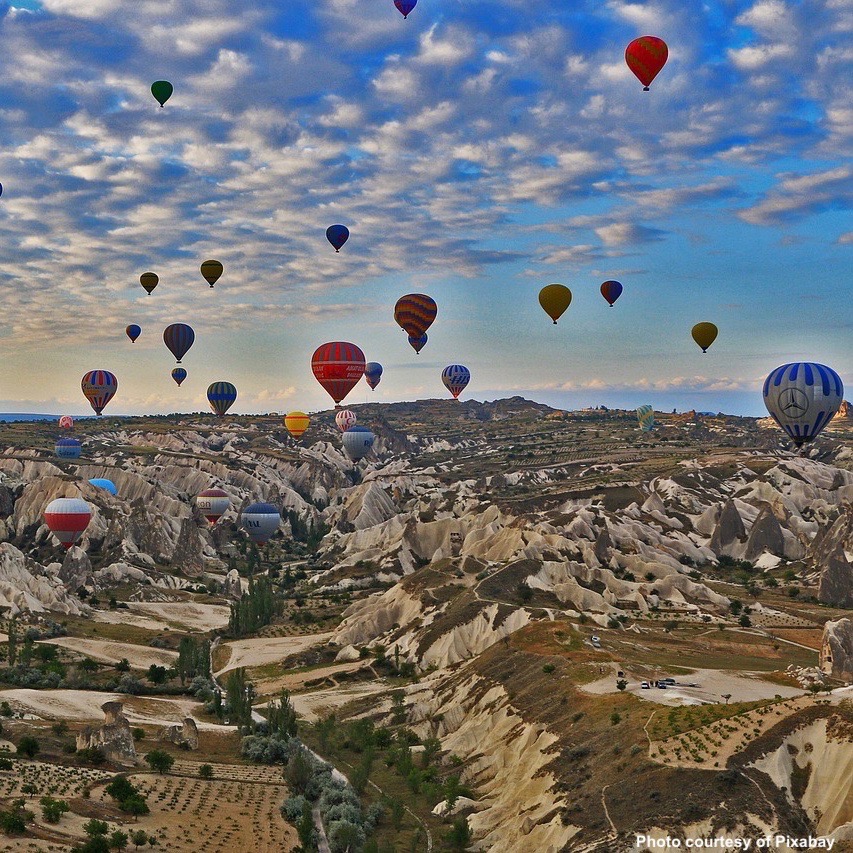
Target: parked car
<point x="668" y="681"/>
<point x="660" y="685"/>
<point x="644" y="685"/>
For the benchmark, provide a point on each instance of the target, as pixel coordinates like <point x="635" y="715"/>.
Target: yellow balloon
<point x="555" y="298"/>
<point x="296" y="423"/>
<point x="704" y="334"/>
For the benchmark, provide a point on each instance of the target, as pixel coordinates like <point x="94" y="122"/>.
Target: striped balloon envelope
<point x="178" y="338"/>
<point x="372" y="373"/>
<point x="68" y="448"/>
<point x="345" y="419"/>
<point x="455" y="378"/>
<point x="646" y="417"/>
<point x="66" y="422"/>
<point x="297" y="423"/>
<point x="645" y="56"/>
<point x="99" y="387"/>
<point x="415" y="313"/>
<point x="417" y="344"/>
<point x="803" y="397"/>
<point x="67" y="518"/>
<point x="338" y="366"/>
<point x="221" y="396"/>
<point x="179" y="374"/>
<point x="213" y="504"/>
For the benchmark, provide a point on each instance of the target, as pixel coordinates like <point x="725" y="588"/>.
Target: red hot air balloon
<point x="645" y="57"/>
<point x="338" y="366"/>
<point x="99" y="387"/>
<point x="66" y="422"/>
<point x="67" y="518"/>
<point x="415" y="313"/>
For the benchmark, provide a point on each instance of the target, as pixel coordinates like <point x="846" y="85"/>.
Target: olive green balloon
<point x="162" y="91"/>
<point x="211" y="270"/>
<point x="149" y="281"/>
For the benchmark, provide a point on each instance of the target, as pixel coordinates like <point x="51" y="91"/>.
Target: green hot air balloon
<point x="211" y="270"/>
<point x="162" y="91"/>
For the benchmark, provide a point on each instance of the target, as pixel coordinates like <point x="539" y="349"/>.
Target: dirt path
<point x="108" y="651"/>
<point x="264" y="650"/>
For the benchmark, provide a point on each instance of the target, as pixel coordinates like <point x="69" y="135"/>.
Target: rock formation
<point x="76" y="569"/>
<point x="113" y="738"/>
<point x="183" y="734"/>
<point x="232" y="586"/>
<point x="729" y="531"/>
<point x="836" y="654"/>
<point x="25" y="585"/>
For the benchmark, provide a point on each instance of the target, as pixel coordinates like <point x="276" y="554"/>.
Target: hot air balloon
<point x="415" y="313"/>
<point x="417" y="344"/>
<point x="67" y="518"/>
<point x="704" y="334"/>
<point x="149" y="281"/>
<point x="105" y="484"/>
<point x="555" y="298"/>
<point x="338" y="366"/>
<point x="611" y="291"/>
<point x="297" y="423"/>
<point x="1" y="189"/>
<point x="66" y="422"/>
<point x="645" y="57"/>
<point x="802" y="397"/>
<point x="179" y="374"/>
<point x="345" y="419"/>
<point x="178" y="338"/>
<point x="133" y="332"/>
<point x="646" y="417"/>
<point x="455" y="378"/>
<point x="372" y="373"/>
<point x="211" y="270"/>
<point x="213" y="504"/>
<point x="68" y="448"/>
<point x="337" y="235"/>
<point x="260" y="521"/>
<point x="405" y="6"/>
<point x="99" y="387"/>
<point x="357" y="441"/>
<point x="221" y="396"/>
<point x="162" y="91"/>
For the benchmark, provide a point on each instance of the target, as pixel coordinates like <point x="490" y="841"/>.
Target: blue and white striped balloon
<point x="802" y="397"/>
<point x="455" y="378"/>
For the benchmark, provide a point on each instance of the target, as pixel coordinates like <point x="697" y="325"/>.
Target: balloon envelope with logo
<point x="357" y="441"/>
<point x="213" y="503"/>
<point x="802" y="397"/>
<point x="260" y="521"/>
<point x="646" y="417"/>
<point x="68" y="448"/>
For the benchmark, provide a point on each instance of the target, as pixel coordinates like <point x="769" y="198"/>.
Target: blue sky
<point x="476" y="151"/>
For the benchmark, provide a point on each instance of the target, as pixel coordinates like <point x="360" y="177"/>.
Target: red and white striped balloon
<point x="67" y="518"/>
<point x="345" y="419"/>
<point x="213" y="503"/>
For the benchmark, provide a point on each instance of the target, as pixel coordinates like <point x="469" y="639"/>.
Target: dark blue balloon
<point x="405" y="6"/>
<point x="337" y="235"/>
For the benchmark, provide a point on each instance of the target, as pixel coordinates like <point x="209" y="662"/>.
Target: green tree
<point x="53" y="809"/>
<point x="29" y="746"/>
<point x="139" y="838"/>
<point x="452" y="790"/>
<point x="460" y="836"/>
<point x="160" y="761"/>
<point x="157" y="674"/>
<point x="205" y="771"/>
<point x="621" y="684"/>
<point x="13" y="641"/>
<point x="29" y="789"/>
<point x="95" y="827"/>
<point x="135" y="805"/>
<point x="123" y="665"/>
<point x="118" y="840"/>
<point x="305" y="827"/>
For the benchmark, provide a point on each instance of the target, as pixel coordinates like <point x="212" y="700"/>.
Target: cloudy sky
<point x="477" y="152"/>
